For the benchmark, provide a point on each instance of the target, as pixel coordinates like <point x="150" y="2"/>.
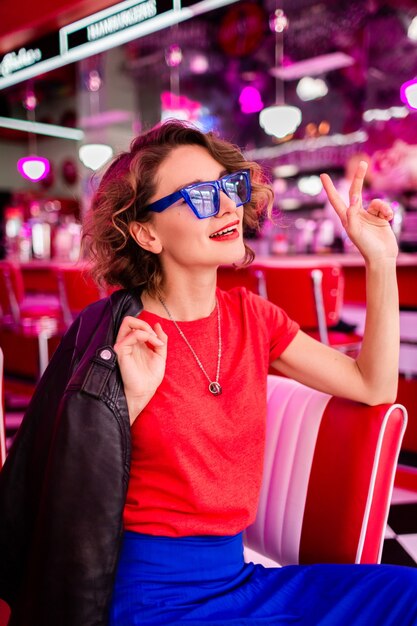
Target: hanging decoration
<point x="32" y="167"/>
<point x="280" y="119"/>
<point x="95" y="154"/>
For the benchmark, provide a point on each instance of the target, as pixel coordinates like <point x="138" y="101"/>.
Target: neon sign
<point x="98" y="32"/>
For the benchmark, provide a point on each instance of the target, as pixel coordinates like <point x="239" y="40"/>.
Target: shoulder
<point x="257" y="311"/>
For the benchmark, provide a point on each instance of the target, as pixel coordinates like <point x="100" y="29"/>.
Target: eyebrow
<point x="198" y="180"/>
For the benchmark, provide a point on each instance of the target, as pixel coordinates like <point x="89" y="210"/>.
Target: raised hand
<point x="141" y="353"/>
<point x="368" y="229"/>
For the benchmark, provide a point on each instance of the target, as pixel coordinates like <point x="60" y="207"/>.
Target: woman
<point x="194" y="365"/>
<point x="92" y="535"/>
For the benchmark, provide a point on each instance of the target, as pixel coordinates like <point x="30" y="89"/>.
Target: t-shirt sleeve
<point x="280" y="328"/>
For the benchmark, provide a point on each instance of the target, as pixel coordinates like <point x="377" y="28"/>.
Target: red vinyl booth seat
<point x="313" y="296"/>
<point x="250" y="277"/>
<point x="328" y="477"/>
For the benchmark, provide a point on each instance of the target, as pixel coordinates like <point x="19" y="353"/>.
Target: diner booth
<point x="340" y="478"/>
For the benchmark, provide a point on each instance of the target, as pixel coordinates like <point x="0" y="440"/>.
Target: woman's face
<point x="185" y="239"/>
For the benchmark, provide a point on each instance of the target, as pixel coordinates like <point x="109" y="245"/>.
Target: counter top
<point x="346" y="260"/>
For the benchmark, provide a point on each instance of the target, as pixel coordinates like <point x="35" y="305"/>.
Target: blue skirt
<point x="204" y="580"/>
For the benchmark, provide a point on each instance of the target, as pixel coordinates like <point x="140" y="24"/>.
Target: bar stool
<point x="311" y="294"/>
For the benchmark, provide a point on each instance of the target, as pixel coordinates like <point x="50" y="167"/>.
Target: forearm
<point x="379" y="355"/>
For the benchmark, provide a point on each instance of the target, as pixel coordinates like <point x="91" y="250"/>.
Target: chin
<point x="234" y="254"/>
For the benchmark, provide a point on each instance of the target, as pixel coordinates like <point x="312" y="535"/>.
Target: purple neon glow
<point x="33" y="168"/>
<point x="250" y="100"/>
<point x="408" y="93"/>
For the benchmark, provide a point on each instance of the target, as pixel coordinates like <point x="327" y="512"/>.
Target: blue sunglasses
<point x="204" y="198"/>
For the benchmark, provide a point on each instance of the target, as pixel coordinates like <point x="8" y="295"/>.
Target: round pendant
<point x="215" y="388"/>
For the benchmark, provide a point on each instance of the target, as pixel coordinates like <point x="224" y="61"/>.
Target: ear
<point x="145" y="236"/>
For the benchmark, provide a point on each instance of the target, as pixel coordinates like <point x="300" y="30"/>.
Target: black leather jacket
<point x="63" y="486"/>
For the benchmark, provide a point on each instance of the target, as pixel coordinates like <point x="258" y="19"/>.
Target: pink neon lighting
<point x="408" y="93"/>
<point x="250" y="100"/>
<point x="33" y="168"/>
<point x="171" y="102"/>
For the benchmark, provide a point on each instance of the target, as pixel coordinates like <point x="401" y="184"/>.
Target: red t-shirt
<point x="197" y="459"/>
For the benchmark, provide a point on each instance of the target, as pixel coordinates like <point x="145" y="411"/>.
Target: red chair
<point x="311" y="294"/>
<point x="250" y="277"/>
<point x="15" y="305"/>
<point x="76" y="290"/>
<point x="328" y="477"/>
<point x="27" y="325"/>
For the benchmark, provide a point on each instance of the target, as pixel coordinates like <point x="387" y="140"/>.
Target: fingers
<point x="130" y="323"/>
<point x="134" y="330"/>
<point x="355" y="191"/>
<point x="161" y="348"/>
<point x="381" y="209"/>
<point x="334" y="197"/>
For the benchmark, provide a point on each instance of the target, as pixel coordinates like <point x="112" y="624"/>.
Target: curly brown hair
<point x="125" y="190"/>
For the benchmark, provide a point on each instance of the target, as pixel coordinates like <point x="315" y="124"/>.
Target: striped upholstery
<point x="328" y="477"/>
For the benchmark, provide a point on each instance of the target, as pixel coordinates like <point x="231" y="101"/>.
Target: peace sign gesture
<point x="368" y="229"/>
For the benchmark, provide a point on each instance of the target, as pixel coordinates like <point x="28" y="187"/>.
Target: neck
<point x="186" y="300"/>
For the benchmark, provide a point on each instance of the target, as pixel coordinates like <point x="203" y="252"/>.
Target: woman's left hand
<point x="369" y="229"/>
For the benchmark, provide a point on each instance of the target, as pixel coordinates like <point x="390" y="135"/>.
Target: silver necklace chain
<point x="214" y="385"/>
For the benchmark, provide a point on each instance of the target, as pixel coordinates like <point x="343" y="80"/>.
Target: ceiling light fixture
<point x="309" y="88"/>
<point x="385" y="114"/>
<point x="279" y="120"/>
<point x="408" y="93"/>
<point x="250" y="100"/>
<point x="312" y="67"/>
<point x="412" y="29"/>
<point x="95" y="152"/>
<point x="38" y="128"/>
<point x="95" y="155"/>
<point x="33" y="167"/>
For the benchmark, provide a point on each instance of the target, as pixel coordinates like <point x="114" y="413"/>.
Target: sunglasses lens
<point x="204" y="199"/>
<point x="237" y="188"/>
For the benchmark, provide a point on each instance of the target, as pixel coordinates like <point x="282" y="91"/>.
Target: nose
<point x="227" y="205"/>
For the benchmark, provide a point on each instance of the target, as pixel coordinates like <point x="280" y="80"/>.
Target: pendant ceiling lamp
<point x="408" y="93"/>
<point x="280" y="119"/>
<point x="32" y="167"/>
<point x="94" y="154"/>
